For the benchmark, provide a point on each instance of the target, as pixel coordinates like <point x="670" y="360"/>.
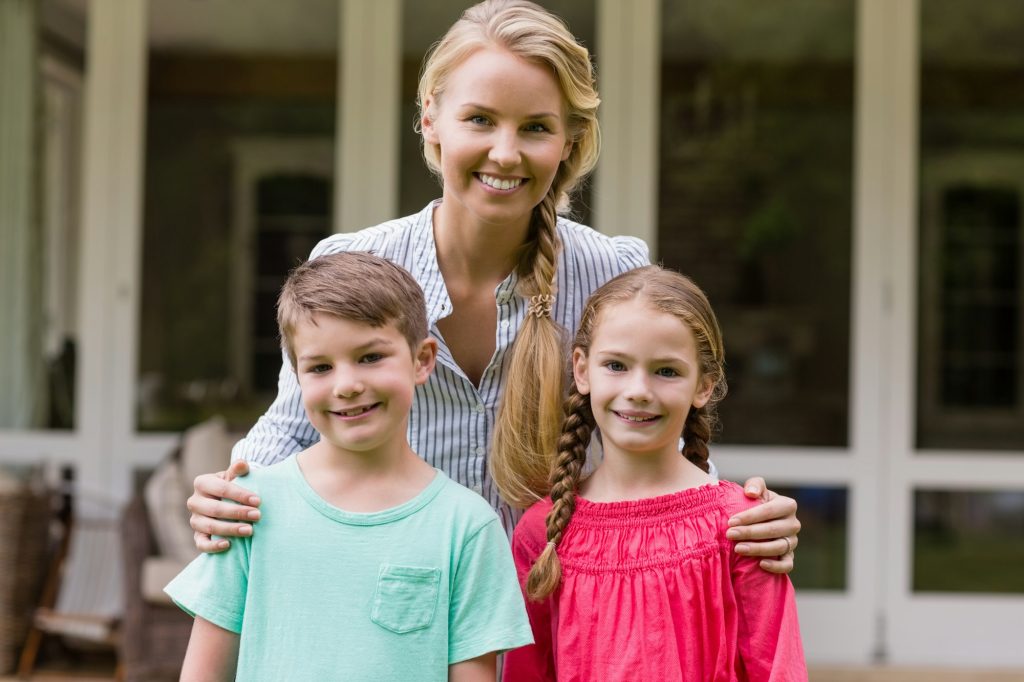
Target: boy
<point x="372" y="565"/>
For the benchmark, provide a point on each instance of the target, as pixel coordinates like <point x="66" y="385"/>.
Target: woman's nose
<point x="505" y="148"/>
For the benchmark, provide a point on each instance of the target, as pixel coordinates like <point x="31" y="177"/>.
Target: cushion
<point x="205" y="448"/>
<point x="156" y="573"/>
<point x="165" y="495"/>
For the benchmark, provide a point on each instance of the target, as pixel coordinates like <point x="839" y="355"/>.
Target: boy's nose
<point x="348" y="387"/>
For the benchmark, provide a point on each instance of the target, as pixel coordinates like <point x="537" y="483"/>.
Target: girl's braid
<point x="546" y="573"/>
<point x="696" y="435"/>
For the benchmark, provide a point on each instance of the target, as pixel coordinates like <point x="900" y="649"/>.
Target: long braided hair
<point x="665" y="291"/>
<point x="530" y="413"/>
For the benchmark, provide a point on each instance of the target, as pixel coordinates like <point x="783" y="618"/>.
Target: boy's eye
<point x="319" y="369"/>
<point x="370" y="358"/>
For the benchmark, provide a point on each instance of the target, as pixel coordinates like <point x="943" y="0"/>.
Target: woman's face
<point x="501" y="127"/>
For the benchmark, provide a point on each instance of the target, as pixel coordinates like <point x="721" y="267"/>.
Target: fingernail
<point x="742" y="548"/>
<point x="223" y="544"/>
<point x="245" y="530"/>
<point x="254" y="515"/>
<point x="734" y="521"/>
<point x="254" y="501"/>
<point x="752" y="490"/>
<point x="732" y="534"/>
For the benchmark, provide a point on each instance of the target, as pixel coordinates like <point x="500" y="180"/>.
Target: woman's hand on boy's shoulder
<point x="213" y="515"/>
<point x="767" y="530"/>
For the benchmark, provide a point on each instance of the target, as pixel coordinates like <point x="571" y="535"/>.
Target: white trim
<point x="368" y="112"/>
<point x="629" y="66"/>
<point x="112" y="174"/>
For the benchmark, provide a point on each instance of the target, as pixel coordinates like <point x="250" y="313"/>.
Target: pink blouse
<point x="652" y="590"/>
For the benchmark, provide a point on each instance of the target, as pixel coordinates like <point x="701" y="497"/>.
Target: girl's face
<point x="642" y="376"/>
<point x="501" y="128"/>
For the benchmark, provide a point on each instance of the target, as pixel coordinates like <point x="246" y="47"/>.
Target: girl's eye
<point x="319" y="369"/>
<point x="615" y="366"/>
<point x="667" y="372"/>
<point x="370" y="358"/>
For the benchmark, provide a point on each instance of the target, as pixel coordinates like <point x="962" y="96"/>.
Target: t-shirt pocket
<point x="406" y="597"/>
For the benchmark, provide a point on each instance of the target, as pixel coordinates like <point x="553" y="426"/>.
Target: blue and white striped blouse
<point x="451" y="420"/>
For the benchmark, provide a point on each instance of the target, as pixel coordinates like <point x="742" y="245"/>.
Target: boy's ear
<point x="703" y="395"/>
<point x="579" y="371"/>
<point x="427" y="122"/>
<point x="425" y="357"/>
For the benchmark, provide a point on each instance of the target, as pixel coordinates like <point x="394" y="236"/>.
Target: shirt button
<point x="479" y="407"/>
<point x="504" y="297"/>
<point x="505" y="324"/>
<point x="479" y="452"/>
<point x="477" y="488"/>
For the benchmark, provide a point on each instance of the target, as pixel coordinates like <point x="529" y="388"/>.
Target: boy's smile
<point x="358" y="382"/>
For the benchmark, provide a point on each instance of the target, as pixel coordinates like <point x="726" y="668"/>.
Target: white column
<point x="629" y="66"/>
<point x="369" y="84"/>
<point x="111" y="238"/>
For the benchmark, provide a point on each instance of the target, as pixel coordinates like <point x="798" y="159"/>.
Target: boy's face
<point x="358" y="381"/>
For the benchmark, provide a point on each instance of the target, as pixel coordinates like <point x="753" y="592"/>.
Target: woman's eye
<point x="479" y="120"/>
<point x="536" y="128"/>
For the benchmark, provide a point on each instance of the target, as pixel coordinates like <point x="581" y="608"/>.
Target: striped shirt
<point x="451" y="420"/>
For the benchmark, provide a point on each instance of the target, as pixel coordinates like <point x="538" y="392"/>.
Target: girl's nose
<point x="638" y="387"/>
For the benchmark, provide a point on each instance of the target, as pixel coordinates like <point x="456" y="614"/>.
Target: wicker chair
<point x="154" y="636"/>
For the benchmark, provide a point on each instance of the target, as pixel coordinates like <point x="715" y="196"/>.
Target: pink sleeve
<point x="769" y="643"/>
<point x="533" y="662"/>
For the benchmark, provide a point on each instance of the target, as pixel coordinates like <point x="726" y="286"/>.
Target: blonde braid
<point x="546" y="572"/>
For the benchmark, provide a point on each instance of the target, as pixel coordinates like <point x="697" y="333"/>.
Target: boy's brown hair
<point x="356" y="286"/>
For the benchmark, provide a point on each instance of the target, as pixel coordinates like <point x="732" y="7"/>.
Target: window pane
<point x="821" y="556"/>
<point x="968" y="541"/>
<point x="41" y="74"/>
<point x="970" y="340"/>
<point x="755" y="202"/>
<point x="424" y="23"/>
<point x="239" y="165"/>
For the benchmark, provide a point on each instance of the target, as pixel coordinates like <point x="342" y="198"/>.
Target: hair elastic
<point x="540" y="305"/>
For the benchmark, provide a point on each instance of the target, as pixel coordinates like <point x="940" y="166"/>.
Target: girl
<point x="628" y="571"/>
<point x="508" y="115"/>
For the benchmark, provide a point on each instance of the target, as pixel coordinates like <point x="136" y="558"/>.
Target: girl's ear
<point x="424" y="359"/>
<point x="427" y="122"/>
<point x="579" y="371"/>
<point x="703" y="395"/>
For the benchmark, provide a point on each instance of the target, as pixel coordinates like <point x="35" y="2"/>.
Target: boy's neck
<point x="365" y="482"/>
<point x="636" y="476"/>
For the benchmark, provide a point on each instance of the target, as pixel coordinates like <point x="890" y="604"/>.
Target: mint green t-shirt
<point x="318" y="593"/>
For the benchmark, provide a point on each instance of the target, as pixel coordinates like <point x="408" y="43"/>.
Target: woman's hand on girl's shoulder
<point x="767" y="530"/>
